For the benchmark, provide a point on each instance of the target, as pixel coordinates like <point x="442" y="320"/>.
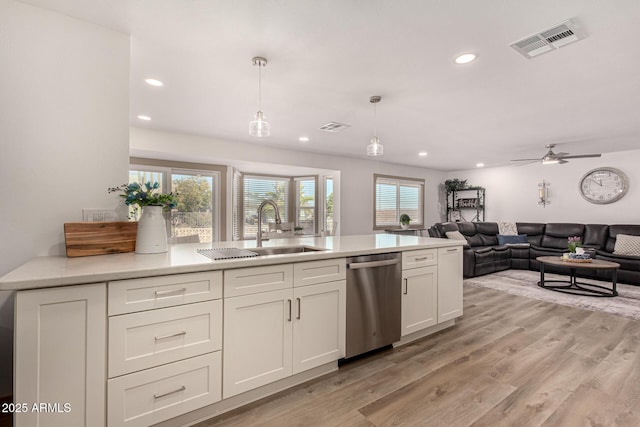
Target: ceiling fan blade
<point x="529" y="162"/>
<point x="525" y="160"/>
<point x="561" y="161"/>
<point x="580" y="156"/>
<point x="561" y="154"/>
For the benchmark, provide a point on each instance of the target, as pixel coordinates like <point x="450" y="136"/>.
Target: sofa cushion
<point x="533" y="230"/>
<point x="455" y="235"/>
<point x="556" y="235"/>
<point x="614" y="230"/>
<point x="627" y="245"/>
<point x="507" y="228"/>
<point x="595" y="236"/>
<point x="511" y="240"/>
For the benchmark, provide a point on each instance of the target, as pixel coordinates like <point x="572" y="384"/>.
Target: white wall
<point x="64" y="117"/>
<point x="511" y="191"/>
<point x="356" y="175"/>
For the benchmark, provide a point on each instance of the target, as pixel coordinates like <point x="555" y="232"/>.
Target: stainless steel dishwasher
<point x="374" y="285"/>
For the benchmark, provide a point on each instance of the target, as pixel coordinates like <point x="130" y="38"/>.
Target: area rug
<point x="525" y="283"/>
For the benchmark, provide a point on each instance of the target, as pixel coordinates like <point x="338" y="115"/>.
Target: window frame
<point x="218" y="172"/>
<point x="398" y="181"/>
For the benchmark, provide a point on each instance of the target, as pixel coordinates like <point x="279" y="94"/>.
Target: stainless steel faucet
<point x="260" y="208"/>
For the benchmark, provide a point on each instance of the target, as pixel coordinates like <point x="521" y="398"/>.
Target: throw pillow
<point x="455" y="235"/>
<point x="627" y="245"/>
<point x="512" y="240"/>
<point x="507" y="228"/>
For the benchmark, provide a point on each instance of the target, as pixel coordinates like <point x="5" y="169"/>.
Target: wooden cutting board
<point x="99" y="238"/>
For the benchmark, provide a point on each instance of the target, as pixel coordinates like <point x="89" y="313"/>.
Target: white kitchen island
<point x="173" y="338"/>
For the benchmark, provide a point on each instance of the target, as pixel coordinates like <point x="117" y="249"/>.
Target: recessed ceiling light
<point x="145" y="118"/>
<point x="422" y="154"/>
<point x="153" y="82"/>
<point x="465" y="58"/>
<point x="479" y="165"/>
<point x="303" y="139"/>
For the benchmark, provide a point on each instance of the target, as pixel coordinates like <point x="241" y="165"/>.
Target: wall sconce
<point x="543" y="193"/>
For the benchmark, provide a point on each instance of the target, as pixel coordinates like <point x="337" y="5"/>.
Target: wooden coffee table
<point x="575" y="287"/>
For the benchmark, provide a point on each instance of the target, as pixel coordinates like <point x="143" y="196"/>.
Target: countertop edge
<point x="55" y="271"/>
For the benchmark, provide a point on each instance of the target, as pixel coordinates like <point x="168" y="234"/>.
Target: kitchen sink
<point x="284" y="250"/>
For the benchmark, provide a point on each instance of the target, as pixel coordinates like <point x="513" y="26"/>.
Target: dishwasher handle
<point x="368" y="264"/>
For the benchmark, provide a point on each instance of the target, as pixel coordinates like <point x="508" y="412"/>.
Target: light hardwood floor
<point x="510" y="361"/>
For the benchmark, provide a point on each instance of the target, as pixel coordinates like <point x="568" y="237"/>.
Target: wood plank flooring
<point x="510" y="361"/>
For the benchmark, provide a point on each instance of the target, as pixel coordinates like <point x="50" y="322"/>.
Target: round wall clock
<point x="603" y="185"/>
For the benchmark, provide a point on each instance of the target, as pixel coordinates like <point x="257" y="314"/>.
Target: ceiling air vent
<point x="545" y="41"/>
<point x="334" y="127"/>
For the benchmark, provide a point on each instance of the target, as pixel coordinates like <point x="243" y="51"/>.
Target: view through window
<point x="395" y="196"/>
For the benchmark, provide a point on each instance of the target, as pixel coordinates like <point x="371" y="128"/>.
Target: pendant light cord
<point x="259" y="87"/>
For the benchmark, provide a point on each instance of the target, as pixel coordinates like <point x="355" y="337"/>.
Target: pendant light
<point x="259" y="127"/>
<point x="374" y="148"/>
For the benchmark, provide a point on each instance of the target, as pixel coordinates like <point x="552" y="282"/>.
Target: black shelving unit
<point x="466" y="205"/>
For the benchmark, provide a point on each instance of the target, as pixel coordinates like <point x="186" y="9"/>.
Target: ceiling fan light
<point x="375" y="148"/>
<point x="259" y="127"/>
<point x="550" y="161"/>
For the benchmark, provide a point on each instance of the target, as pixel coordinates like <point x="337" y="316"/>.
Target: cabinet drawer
<point x="309" y="273"/>
<point x="128" y="296"/>
<point x="157" y="394"/>
<point x="141" y="340"/>
<point x="246" y="281"/>
<point x="419" y="258"/>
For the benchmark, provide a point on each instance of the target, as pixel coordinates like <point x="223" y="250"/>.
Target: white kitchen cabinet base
<point x="250" y="396"/>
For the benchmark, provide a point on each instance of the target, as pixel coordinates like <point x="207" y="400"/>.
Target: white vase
<point x="404" y="226"/>
<point x="152" y="231"/>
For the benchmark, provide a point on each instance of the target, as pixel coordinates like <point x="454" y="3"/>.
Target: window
<point x="199" y="196"/>
<point x="330" y="225"/>
<point x="255" y="190"/>
<point x="306" y="204"/>
<point x="295" y="196"/>
<point x="394" y="196"/>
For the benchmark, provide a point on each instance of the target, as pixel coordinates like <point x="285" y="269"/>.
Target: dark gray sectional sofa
<point x="483" y="254"/>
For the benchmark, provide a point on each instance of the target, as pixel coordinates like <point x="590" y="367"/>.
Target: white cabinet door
<point x="449" y="283"/>
<point x="419" y="299"/>
<point x="257" y="340"/>
<point x="319" y="324"/>
<point x="60" y="355"/>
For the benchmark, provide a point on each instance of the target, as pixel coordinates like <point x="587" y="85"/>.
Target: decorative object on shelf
<point x="455" y="184"/>
<point x="463" y="199"/>
<point x="298" y="230"/>
<point x="259" y="127"/>
<point x="374" y="148"/>
<point x="543" y="193"/>
<point x="603" y="185"/>
<point x="404" y="221"/>
<point x="152" y="227"/>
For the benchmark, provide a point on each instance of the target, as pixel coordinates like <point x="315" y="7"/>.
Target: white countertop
<point x="43" y="272"/>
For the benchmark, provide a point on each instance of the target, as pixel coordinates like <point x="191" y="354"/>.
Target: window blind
<point x="397" y="196"/>
<point x="255" y="190"/>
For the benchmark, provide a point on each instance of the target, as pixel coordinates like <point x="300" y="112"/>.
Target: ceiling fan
<point x="552" y="158"/>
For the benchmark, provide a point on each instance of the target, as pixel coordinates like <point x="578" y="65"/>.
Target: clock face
<point x="603" y="185"/>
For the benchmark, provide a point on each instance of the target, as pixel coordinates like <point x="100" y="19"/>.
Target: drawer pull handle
<point x="289" y="302"/>
<point x="299" y="308"/>
<point x="178" y="390"/>
<point x="452" y="250"/>
<point x="424" y="258"/>
<point x="171" y="291"/>
<point x="177" y="334"/>
<point x="406" y="286"/>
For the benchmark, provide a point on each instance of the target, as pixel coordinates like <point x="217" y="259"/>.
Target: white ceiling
<point x="326" y="58"/>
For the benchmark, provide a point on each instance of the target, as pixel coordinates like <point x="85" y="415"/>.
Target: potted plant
<point x="298" y="230"/>
<point x="455" y="184"/>
<point x="152" y="229"/>
<point x="404" y="221"/>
